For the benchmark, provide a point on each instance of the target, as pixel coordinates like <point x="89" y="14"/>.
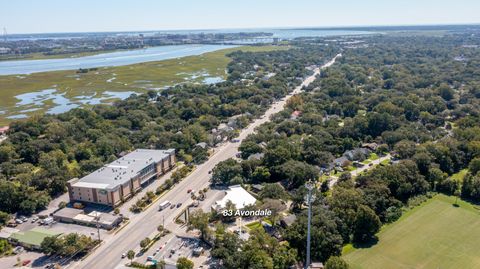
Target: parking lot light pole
<point x="97" y="218"/>
<point x="309" y="199"/>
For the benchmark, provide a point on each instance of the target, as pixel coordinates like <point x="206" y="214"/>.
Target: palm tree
<point x="131" y="255"/>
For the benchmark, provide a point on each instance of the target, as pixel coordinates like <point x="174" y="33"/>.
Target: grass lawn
<point x="433" y="235"/>
<point x="349" y="168"/>
<point x="41" y="56"/>
<point x="373" y="156"/>
<point x="325" y="176"/>
<point x="254" y="225"/>
<point x="460" y="175"/>
<point x="385" y="162"/>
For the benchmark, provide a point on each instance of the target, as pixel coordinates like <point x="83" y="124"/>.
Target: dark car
<point x="179" y="204"/>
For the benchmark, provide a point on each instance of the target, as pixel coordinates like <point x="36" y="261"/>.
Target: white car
<point x="124" y="255"/>
<point x="18" y="221"/>
<point x="18" y="249"/>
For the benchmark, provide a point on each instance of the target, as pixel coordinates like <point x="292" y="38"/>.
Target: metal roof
<point x="34" y="236"/>
<point x="123" y="169"/>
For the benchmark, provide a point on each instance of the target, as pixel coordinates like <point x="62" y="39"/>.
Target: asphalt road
<point x="108" y="255"/>
<point x="359" y="170"/>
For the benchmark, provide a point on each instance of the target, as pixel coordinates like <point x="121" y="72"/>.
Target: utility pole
<point x="309" y="198"/>
<point x="97" y="218"/>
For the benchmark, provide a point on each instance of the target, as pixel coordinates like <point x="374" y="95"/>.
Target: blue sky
<point x="37" y="16"/>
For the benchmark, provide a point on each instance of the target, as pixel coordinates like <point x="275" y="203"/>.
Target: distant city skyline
<point x="48" y="16"/>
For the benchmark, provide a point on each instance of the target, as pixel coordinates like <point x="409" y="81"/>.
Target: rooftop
<point x="123" y="169"/>
<point x="238" y="196"/>
<point x="34" y="236"/>
<point x="6" y="232"/>
<point x="68" y="212"/>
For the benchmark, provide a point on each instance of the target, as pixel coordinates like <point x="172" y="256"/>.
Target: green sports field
<point x="435" y="235"/>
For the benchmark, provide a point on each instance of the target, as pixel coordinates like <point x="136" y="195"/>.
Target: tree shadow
<point x="366" y="244"/>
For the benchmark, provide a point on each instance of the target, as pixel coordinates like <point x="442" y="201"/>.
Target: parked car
<point x="47" y="221"/>
<point x="18" y="221"/>
<point x="179" y="205"/>
<point x="124" y="255"/>
<point x="150" y="258"/>
<point x="23" y="218"/>
<point x="34" y="219"/>
<point x="18" y="250"/>
<point x="172" y="206"/>
<point x="189" y="190"/>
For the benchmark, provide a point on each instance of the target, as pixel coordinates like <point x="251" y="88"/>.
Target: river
<point x="118" y="58"/>
<point x="128" y="57"/>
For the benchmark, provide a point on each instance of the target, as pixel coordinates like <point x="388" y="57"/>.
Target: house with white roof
<point x="238" y="196"/>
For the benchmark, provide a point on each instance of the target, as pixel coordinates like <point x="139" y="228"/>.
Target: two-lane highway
<point x="108" y="255"/>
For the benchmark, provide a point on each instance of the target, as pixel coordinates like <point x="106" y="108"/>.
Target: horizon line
<point x="340" y="27"/>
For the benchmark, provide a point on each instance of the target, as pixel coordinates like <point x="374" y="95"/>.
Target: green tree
<point x="273" y="191"/>
<point x="295" y="173"/>
<point x="326" y="238"/>
<point x="184" y="263"/>
<point x="261" y="174"/>
<point x="145" y="242"/>
<point x="131" y="255"/>
<point x="226" y="171"/>
<point x="4" y="218"/>
<point x="405" y="149"/>
<point x="229" y="207"/>
<point x="199" y="220"/>
<point x="367" y="224"/>
<point x="474" y="166"/>
<point x="4" y="246"/>
<point x="248" y="148"/>
<point x="336" y="262"/>
<point x="50" y="245"/>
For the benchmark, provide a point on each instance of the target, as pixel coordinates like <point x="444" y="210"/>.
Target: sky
<point x="43" y="16"/>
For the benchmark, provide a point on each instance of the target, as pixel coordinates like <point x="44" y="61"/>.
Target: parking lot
<point x="61" y="227"/>
<point x="173" y="247"/>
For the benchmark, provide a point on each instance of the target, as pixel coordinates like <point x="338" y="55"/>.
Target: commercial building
<point x="115" y="182"/>
<point x="79" y="216"/>
<point x="238" y="196"/>
<point x="32" y="239"/>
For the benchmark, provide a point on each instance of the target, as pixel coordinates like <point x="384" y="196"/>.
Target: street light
<point x="309" y="198"/>
<point x="97" y="218"/>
